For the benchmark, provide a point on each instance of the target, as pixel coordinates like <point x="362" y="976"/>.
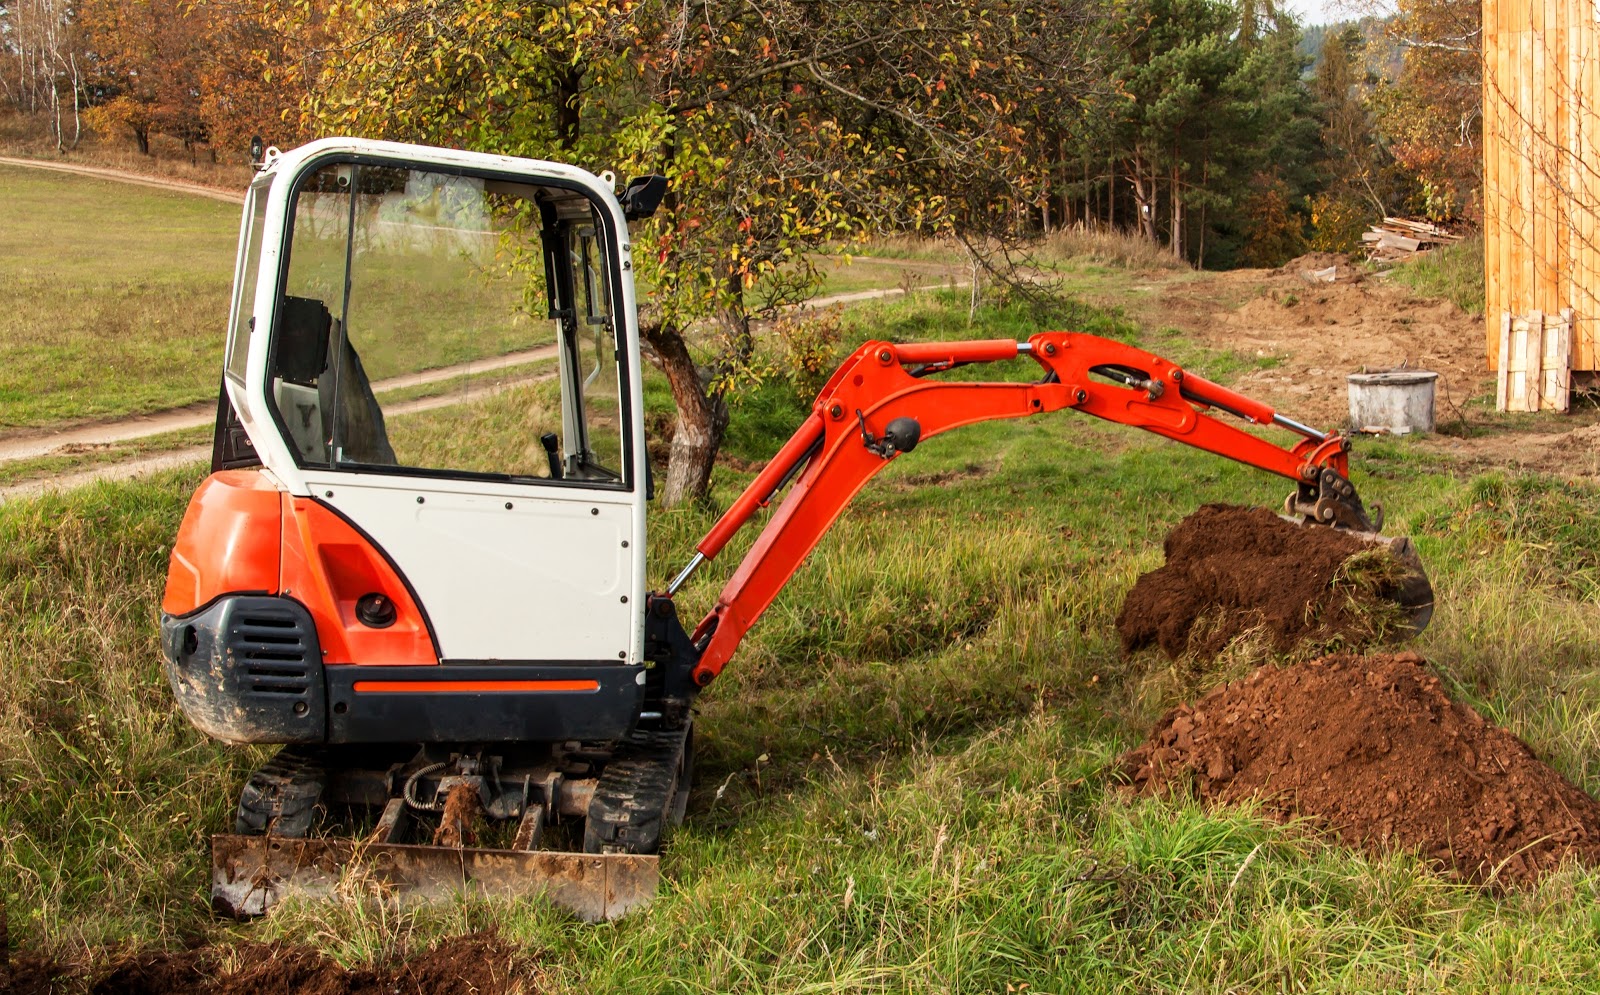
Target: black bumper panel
<point x="247" y="669"/>
<point x="366" y="705"/>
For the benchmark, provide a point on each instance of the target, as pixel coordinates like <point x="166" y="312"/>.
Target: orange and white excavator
<point x="449" y="634"/>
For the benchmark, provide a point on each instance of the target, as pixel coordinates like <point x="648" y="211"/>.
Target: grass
<point x="124" y="314"/>
<point x="113" y="300"/>
<point x="1454" y="272"/>
<point x="906" y="778"/>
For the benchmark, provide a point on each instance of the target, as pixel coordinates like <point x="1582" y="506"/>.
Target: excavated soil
<point x="476" y="964"/>
<point x="1310" y="335"/>
<point x="1231" y="569"/>
<point x="21" y="974"/>
<point x="1372" y="749"/>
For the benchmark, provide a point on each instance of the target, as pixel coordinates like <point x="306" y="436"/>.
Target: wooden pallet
<point x="1535" y="370"/>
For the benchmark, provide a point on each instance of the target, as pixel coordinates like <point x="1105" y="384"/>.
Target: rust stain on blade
<point x="250" y="874"/>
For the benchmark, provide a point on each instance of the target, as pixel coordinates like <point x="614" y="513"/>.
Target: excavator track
<point x="640" y="793"/>
<point x="282" y="797"/>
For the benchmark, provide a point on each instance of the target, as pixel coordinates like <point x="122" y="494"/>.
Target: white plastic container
<point x="1400" y="402"/>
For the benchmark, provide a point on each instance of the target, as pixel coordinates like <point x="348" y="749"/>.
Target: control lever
<point x="552" y="453"/>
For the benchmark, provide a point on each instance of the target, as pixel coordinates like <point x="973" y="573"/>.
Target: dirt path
<point x="32" y="443"/>
<point x="122" y="176"/>
<point x="192" y="454"/>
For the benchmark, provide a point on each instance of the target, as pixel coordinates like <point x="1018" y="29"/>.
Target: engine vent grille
<point x="270" y="648"/>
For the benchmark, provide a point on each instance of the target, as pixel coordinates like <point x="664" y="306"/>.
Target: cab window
<point x="431" y="322"/>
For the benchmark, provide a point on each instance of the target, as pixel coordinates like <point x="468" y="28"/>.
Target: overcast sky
<point x="1328" y="11"/>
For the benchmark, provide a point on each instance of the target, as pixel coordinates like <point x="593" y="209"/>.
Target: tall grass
<point x="906" y="777"/>
<point x="1454" y="273"/>
<point x="1115" y="248"/>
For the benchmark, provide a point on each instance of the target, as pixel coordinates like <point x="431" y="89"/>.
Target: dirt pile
<point x="21" y="974"/>
<point x="1320" y="262"/>
<point x="1372" y="749"/>
<point x="1231" y="569"/>
<point x="480" y="963"/>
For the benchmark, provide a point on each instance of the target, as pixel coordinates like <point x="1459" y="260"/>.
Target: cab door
<point x="444" y="356"/>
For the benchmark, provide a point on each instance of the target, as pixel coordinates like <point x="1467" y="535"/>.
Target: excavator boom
<point x="882" y="401"/>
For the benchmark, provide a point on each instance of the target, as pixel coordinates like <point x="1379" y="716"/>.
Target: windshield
<point x="418" y="328"/>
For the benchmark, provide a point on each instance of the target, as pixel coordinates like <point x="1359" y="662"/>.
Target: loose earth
<point x="1372" y="749"/>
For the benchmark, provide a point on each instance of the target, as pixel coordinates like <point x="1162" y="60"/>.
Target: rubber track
<point x="631" y="801"/>
<point x="281" y="797"/>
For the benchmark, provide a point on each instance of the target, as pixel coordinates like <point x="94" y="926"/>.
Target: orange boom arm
<point x="879" y="404"/>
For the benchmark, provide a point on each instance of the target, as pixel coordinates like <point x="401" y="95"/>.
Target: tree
<point x="144" y="67"/>
<point x="44" y="53"/>
<point x="1210" y="98"/>
<point x="1432" y="116"/>
<point x="241" y="64"/>
<point x="783" y="127"/>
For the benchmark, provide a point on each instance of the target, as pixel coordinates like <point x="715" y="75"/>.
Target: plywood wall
<point x="1541" y="138"/>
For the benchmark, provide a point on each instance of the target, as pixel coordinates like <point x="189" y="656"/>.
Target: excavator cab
<point x="418" y="561"/>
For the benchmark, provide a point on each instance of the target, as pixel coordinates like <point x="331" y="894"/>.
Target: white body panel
<point x="558" y="577"/>
<point x="551" y="578"/>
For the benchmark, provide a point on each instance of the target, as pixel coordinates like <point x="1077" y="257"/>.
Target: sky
<point x="1328" y="11"/>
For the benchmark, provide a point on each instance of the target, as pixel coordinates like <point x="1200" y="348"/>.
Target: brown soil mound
<point x="1345" y="271"/>
<point x="480" y="963"/>
<point x="22" y="974"/>
<point x="1371" y="748"/>
<point x="1243" y="568"/>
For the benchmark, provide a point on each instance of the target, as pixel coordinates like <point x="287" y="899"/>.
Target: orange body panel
<point x="328" y="566"/>
<point x="228" y="542"/>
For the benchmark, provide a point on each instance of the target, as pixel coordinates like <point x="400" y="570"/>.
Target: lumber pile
<point x="1535" y="369"/>
<point x="1401" y="238"/>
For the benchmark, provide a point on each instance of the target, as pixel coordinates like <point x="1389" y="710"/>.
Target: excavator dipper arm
<point x="880" y="403"/>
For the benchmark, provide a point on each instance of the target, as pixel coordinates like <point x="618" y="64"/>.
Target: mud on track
<point x="1372" y="749"/>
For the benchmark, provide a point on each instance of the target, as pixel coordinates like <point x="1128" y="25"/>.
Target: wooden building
<point x="1541" y="141"/>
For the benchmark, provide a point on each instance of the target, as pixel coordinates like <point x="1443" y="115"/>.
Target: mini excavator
<point x="451" y="639"/>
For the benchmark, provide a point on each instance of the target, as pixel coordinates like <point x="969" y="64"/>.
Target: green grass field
<point x="128" y="314"/>
<point x="113" y="297"/>
<point x="906" y="775"/>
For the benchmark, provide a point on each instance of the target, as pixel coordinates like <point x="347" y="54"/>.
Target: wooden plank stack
<point x="1535" y="368"/>
<point x="1400" y="238"/>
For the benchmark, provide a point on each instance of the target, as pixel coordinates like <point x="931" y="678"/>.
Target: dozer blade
<point x="250" y="874"/>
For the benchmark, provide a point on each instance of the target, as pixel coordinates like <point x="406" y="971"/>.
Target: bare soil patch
<point x="1315" y="334"/>
<point x="1373" y="750"/>
<point x="479" y="963"/>
<point x="24" y="974"/>
<point x="1231" y="569"/>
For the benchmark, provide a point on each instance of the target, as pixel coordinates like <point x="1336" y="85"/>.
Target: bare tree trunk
<point x="975" y="297"/>
<point x="702" y="418"/>
<point x="1144" y="196"/>
<point x="77" y="109"/>
<point x="1111" y="199"/>
<point x="1177" y="215"/>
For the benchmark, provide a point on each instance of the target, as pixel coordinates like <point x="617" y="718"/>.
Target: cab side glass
<point x="413" y="330"/>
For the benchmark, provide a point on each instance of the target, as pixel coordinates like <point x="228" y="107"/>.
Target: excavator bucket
<point x="250" y="874"/>
<point x="1413" y="592"/>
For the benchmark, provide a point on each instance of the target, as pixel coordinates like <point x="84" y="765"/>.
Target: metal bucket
<point x="1400" y="402"/>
